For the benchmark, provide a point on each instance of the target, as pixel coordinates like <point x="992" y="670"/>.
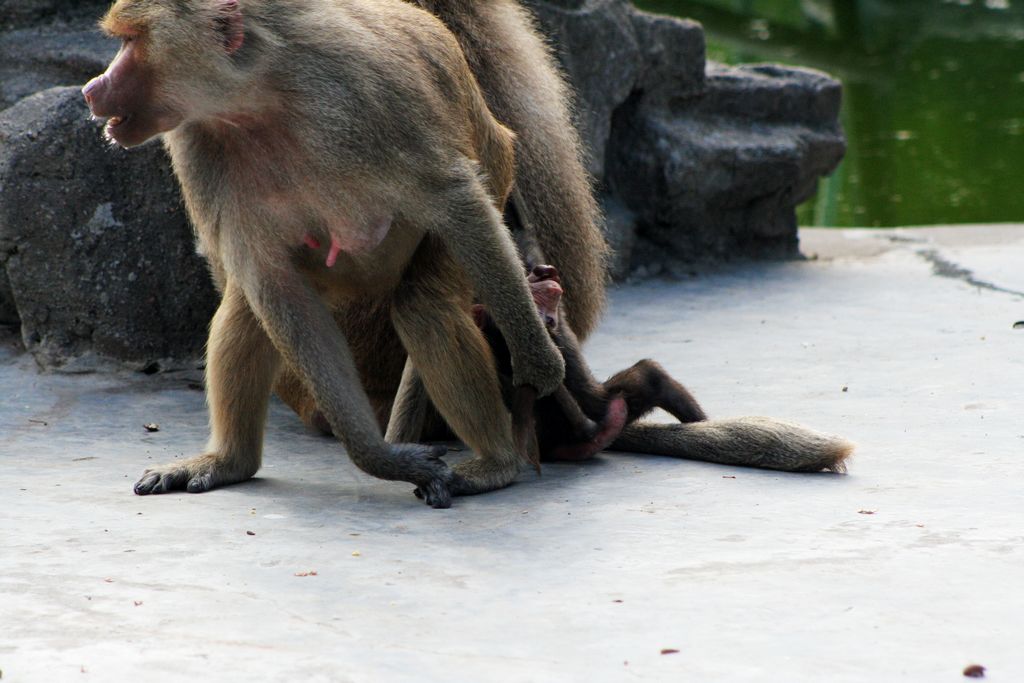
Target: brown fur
<point x="356" y="121"/>
<point x="552" y="199"/>
<point x="526" y="92"/>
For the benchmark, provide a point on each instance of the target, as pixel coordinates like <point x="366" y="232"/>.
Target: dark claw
<point x="144" y="486"/>
<point x="155" y="482"/>
<point x="199" y="484"/>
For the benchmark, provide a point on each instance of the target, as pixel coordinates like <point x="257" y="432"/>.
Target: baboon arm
<point x="479" y="242"/>
<point x="303" y="330"/>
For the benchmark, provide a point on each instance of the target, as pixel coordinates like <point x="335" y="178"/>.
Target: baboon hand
<point x="431" y="474"/>
<point x="543" y="368"/>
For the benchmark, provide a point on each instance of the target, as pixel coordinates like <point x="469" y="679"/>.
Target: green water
<point x="933" y="101"/>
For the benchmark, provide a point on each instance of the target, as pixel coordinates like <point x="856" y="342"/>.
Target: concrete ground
<point x="909" y="568"/>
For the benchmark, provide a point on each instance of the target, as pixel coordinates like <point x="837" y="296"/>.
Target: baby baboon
<point x="330" y="152"/>
<point x="584" y="416"/>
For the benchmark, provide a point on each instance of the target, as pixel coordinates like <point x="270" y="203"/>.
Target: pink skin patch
<point x="547" y="294"/>
<point x="612" y="426"/>
<point x="352" y="244"/>
<point x="332" y="253"/>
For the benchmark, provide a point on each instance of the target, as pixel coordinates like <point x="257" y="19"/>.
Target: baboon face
<point x="174" y="63"/>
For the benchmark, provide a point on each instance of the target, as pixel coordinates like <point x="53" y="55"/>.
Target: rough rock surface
<point x="97" y="249"/>
<point x="21" y="13"/>
<point x="693" y="161"/>
<point x="712" y="160"/>
<point x="721" y="174"/>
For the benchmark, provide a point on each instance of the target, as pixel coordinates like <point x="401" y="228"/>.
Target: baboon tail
<point x="747" y="441"/>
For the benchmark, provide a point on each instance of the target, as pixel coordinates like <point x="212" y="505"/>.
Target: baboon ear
<point x="230" y="24"/>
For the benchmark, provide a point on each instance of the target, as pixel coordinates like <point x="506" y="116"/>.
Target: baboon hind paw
<point x="195" y="475"/>
<point x="610" y="428"/>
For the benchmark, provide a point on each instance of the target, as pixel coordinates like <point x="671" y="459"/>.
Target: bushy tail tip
<point x="746" y="441"/>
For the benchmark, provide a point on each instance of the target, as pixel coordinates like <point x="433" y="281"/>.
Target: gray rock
<point x="100" y="255"/>
<point x="8" y="311"/>
<point x="712" y="160"/>
<point x="21" y="13"/>
<point x="672" y="56"/>
<point x="720" y="175"/>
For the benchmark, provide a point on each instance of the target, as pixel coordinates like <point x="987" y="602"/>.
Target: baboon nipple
<point x="332" y="253"/>
<point x="351" y="241"/>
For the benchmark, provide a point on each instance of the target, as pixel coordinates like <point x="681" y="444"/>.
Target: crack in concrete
<point x="946" y="268"/>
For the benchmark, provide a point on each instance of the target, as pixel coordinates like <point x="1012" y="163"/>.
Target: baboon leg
<point x="409" y="410"/>
<point x="240" y="367"/>
<point x="431" y="312"/>
<point x="524" y="423"/>
<point x="646" y="386"/>
<point x="378" y="352"/>
<point x="581" y="427"/>
<point x="587" y="438"/>
<point x="295" y="395"/>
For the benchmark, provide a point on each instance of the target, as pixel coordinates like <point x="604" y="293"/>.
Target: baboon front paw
<point x="435" y="494"/>
<point x="194" y="475"/>
<point x="545" y="372"/>
<point x="431" y="474"/>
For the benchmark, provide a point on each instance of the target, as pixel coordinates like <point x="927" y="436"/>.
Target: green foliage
<point x="933" y="99"/>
